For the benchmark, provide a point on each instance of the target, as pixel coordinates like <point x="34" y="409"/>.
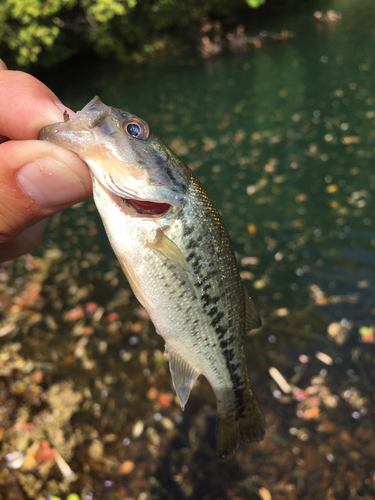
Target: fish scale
<point x="176" y="253"/>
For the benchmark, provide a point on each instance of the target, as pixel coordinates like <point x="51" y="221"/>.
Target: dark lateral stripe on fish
<point x="192" y="244"/>
<point x="221" y="331"/>
<point x="237" y="384"/>
<point x="208" y="300"/>
<point x="213" y="312"/>
<point x="239" y="395"/>
<point x="217" y="318"/>
<point x="228" y="353"/>
<point x="187" y="230"/>
<point x="196" y="267"/>
<point x="191" y="256"/>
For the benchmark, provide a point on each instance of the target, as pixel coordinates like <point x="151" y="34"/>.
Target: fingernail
<point x="51" y="183"/>
<point x="63" y="108"/>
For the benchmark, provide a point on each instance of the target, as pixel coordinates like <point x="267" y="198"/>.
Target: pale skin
<point x="37" y="178"/>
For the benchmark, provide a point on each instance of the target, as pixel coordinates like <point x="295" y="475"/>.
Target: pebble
<point x="138" y="429"/>
<point x="126" y="467"/>
<point x="74" y="314"/>
<point x="264" y="494"/>
<point x="165" y="400"/>
<point x="96" y="449"/>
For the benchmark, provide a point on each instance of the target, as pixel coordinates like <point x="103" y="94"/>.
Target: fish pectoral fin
<point x="170" y="250"/>
<point x="252" y="316"/>
<point x="183" y="376"/>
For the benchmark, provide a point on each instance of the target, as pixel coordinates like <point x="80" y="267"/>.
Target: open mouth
<point x="148" y="208"/>
<point x="138" y="208"/>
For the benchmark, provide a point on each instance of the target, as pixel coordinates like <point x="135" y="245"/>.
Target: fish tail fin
<point x="236" y="429"/>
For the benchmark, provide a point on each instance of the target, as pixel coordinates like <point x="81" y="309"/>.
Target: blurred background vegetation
<point x="46" y="32"/>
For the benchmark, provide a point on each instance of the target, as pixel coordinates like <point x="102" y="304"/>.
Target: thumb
<point x="37" y="179"/>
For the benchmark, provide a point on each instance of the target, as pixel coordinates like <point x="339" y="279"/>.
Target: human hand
<point x="37" y="178"/>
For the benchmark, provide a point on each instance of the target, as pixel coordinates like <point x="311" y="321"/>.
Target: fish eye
<point x="137" y="128"/>
<point x="133" y="129"/>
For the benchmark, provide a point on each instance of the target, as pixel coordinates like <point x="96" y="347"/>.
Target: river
<point x="283" y="138"/>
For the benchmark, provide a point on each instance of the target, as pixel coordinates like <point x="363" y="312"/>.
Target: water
<point x="292" y="123"/>
<point x="283" y="138"/>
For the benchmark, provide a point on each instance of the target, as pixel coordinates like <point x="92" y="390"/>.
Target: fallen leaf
<point x="126" y="467"/>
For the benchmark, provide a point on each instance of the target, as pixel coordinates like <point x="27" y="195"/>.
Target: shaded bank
<point x="44" y="34"/>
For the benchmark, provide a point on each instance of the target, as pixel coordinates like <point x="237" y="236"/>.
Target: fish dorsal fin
<point x="252" y="316"/>
<point x="183" y="376"/>
<point x="169" y="249"/>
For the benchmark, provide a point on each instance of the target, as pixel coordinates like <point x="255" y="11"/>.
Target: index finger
<point x="26" y="105"/>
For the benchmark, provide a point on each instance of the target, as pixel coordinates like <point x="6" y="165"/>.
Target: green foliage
<point x="102" y="11"/>
<point x="29" y="26"/>
<point x="255" y="3"/>
<point x="47" y="31"/>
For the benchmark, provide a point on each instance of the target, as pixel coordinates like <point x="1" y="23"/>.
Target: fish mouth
<point x="146" y="208"/>
<point x="134" y="207"/>
<point x="128" y="202"/>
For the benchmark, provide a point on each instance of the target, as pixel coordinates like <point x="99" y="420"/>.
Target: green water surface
<point x="283" y="138"/>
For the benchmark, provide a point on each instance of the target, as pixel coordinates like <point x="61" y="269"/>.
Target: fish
<point x="177" y="256"/>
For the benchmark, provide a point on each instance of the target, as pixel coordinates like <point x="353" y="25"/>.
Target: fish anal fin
<point x="233" y="430"/>
<point x="169" y="249"/>
<point x="252" y="316"/>
<point x="183" y="376"/>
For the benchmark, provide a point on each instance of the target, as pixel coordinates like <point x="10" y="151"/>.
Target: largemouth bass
<point x="176" y="253"/>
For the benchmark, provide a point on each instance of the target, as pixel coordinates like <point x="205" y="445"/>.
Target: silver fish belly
<point x="176" y="253"/>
